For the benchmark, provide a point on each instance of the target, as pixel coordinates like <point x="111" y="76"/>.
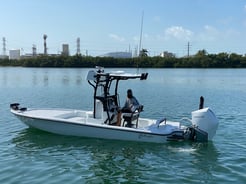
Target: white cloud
<point x="210" y="29"/>
<point x="209" y="33"/>
<point x="117" y="37"/>
<point x="178" y="32"/>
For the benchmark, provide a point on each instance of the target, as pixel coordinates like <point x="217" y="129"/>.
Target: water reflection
<point x="29" y="77"/>
<point x="5" y="78"/>
<point x="78" y="80"/>
<point x="34" y="79"/>
<point x="110" y="161"/>
<point x="107" y="161"/>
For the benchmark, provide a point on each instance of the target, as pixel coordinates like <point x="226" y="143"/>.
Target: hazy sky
<point x="114" y="25"/>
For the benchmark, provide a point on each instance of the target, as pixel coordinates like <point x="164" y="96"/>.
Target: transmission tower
<point x="188" y="49"/>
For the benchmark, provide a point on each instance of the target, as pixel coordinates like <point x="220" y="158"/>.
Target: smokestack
<point x="78" y="46"/>
<point x="45" y="46"/>
<point x="4" y="46"/>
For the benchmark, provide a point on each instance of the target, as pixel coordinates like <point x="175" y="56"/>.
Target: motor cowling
<point x="205" y="120"/>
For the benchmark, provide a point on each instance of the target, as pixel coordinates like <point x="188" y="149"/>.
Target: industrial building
<point x="65" y="49"/>
<point x="14" y="54"/>
<point x="118" y="55"/>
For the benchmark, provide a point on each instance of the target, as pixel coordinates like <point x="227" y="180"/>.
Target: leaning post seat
<point x="130" y="117"/>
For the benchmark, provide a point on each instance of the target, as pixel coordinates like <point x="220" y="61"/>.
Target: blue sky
<point x="114" y="25"/>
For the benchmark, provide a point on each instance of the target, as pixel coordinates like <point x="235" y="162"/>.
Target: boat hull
<point x="94" y="130"/>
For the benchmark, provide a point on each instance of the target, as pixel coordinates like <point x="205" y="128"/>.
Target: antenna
<point x="140" y="41"/>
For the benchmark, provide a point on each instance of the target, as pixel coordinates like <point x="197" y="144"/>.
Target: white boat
<point x="104" y="121"/>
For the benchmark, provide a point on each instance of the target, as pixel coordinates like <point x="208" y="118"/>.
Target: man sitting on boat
<point x="131" y="105"/>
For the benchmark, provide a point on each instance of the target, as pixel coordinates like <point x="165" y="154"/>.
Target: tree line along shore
<point x="200" y="60"/>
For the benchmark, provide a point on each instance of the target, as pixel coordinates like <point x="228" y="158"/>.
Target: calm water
<point x="32" y="156"/>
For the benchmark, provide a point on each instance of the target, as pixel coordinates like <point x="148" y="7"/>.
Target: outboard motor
<point x="206" y="121"/>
